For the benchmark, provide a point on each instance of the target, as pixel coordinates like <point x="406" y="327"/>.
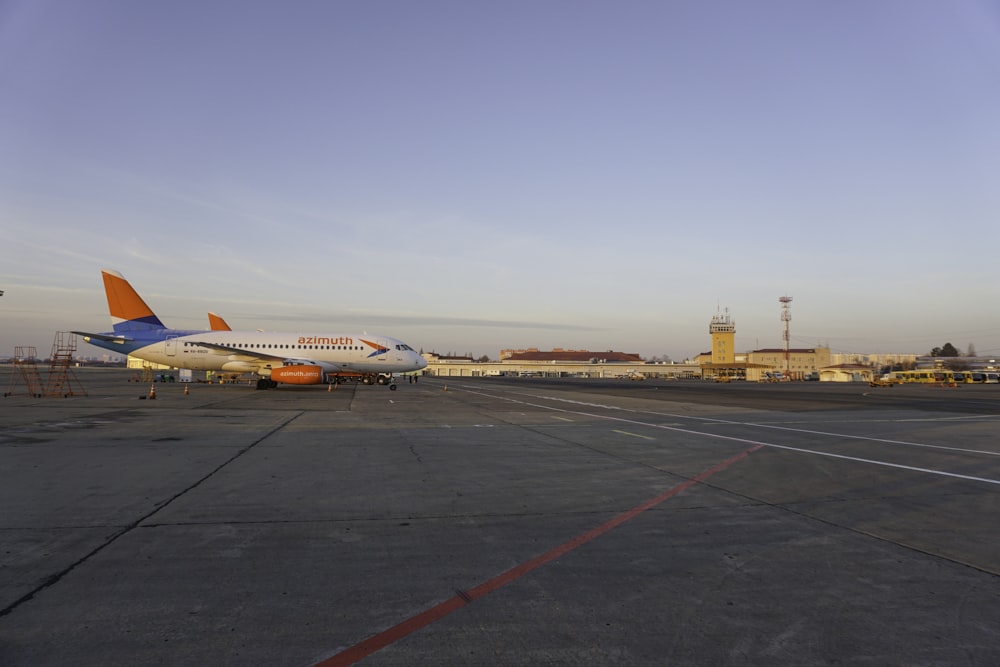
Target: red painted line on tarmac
<point x="363" y="649"/>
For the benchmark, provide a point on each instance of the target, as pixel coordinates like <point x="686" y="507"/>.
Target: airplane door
<point x="171" y="346"/>
<point x="383" y="344"/>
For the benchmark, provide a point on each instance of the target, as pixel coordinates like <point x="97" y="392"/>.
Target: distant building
<point x="846" y="373"/>
<point x="434" y="357"/>
<point x="558" y="362"/>
<point x="137" y="363"/>
<point x="894" y="359"/>
<point x="801" y="362"/>
<point x="560" y="355"/>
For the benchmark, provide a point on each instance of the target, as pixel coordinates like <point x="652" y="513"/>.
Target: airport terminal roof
<point x="574" y="355"/>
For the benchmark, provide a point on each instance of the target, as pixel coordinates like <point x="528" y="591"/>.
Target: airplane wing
<point x="253" y="354"/>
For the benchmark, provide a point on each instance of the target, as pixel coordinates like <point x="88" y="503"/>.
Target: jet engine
<point x="301" y="374"/>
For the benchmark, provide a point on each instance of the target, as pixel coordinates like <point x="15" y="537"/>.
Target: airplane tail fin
<point x="216" y="323"/>
<point x="128" y="311"/>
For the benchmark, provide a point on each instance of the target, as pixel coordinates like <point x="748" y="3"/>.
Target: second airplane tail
<point x="128" y="311"/>
<point x="216" y="323"/>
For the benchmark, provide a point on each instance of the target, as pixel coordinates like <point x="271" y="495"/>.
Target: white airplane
<point x="290" y="358"/>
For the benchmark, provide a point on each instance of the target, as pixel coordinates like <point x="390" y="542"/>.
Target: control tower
<point x="723" y="331"/>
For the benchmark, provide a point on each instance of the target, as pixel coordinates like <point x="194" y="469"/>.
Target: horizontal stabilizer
<point x="121" y="340"/>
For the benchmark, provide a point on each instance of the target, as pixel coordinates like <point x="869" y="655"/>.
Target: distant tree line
<point x="949" y="350"/>
<point x="954" y="363"/>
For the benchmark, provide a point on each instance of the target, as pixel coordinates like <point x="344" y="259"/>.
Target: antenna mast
<point x="786" y="317"/>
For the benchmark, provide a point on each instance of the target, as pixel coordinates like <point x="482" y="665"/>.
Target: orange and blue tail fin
<point x="128" y="311"/>
<point x="216" y="323"/>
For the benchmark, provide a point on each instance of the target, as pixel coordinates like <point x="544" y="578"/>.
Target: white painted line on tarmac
<point x="733" y="422"/>
<point x="802" y="450"/>
<point x="634" y="435"/>
<point x="831" y="434"/>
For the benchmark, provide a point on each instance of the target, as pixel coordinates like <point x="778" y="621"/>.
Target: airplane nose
<point x="421" y="362"/>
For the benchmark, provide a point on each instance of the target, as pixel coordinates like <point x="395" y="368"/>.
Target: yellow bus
<point x="929" y="376"/>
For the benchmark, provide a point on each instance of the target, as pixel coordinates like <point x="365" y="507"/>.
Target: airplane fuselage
<point x="261" y="352"/>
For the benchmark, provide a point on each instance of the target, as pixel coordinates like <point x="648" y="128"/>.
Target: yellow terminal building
<point x="723" y="364"/>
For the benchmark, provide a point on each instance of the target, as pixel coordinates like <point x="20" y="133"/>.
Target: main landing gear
<point x="379" y="378"/>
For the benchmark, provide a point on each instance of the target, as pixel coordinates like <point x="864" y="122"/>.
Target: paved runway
<point x="501" y="522"/>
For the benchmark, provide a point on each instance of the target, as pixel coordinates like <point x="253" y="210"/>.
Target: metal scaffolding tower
<point x="25" y="370"/>
<point x="62" y="381"/>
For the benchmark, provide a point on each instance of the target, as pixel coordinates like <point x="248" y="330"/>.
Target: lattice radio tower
<point x="786" y="317"/>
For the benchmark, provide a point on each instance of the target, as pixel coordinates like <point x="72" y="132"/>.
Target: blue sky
<point x="471" y="176"/>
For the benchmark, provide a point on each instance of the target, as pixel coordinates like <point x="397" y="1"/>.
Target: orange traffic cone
<point x="152" y="391"/>
<point x="187" y="390"/>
